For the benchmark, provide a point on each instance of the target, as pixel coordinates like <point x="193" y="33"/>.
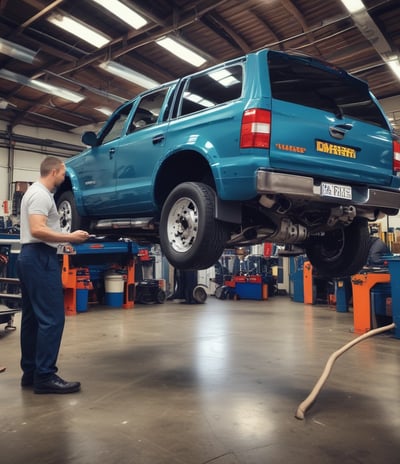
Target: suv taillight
<point x="396" y="156"/>
<point x="256" y="129"/>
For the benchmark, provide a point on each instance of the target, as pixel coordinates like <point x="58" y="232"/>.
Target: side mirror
<point x="89" y="138"/>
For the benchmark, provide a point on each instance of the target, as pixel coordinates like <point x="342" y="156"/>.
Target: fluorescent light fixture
<point x="123" y="12"/>
<point x="17" y="51"/>
<point x="41" y="86"/>
<point x="75" y="27"/>
<point x="181" y="51"/>
<point x="129" y="74"/>
<point x="57" y="91"/>
<point x="104" y="110"/>
<point x="224" y="77"/>
<point x="199" y="100"/>
<point x="354" y="6"/>
<point x="395" y="66"/>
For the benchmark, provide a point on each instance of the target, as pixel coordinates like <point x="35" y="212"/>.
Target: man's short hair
<point x="48" y="164"/>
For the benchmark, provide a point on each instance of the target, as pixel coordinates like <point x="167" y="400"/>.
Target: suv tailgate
<point x="325" y="123"/>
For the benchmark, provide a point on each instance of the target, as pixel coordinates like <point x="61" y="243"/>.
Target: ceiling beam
<point x="42" y="12"/>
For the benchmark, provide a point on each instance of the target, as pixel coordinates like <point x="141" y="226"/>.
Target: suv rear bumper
<point x="307" y="188"/>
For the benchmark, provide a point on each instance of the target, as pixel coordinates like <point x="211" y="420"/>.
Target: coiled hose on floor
<point x="302" y="409"/>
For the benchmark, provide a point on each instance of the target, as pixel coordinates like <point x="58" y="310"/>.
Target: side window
<point x="148" y="110"/>
<point x="115" y="125"/>
<point x="211" y="88"/>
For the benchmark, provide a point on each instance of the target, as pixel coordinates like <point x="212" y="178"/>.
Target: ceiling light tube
<point x="104" y="110"/>
<point x="81" y="30"/>
<point x="181" y="51"/>
<point x="17" y="51"/>
<point x="41" y="86"/>
<point x="395" y="66"/>
<point x="354" y="6"/>
<point x="129" y="74"/>
<point x="57" y="91"/>
<point x="123" y="12"/>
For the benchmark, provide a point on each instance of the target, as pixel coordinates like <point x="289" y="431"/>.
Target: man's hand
<point x="78" y="236"/>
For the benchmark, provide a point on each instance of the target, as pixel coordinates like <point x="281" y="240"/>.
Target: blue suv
<point x="270" y="147"/>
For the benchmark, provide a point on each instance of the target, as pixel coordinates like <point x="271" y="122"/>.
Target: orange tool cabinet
<point x="362" y="284"/>
<point x="75" y="274"/>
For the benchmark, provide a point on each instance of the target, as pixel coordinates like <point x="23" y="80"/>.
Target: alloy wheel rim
<point x="182" y="227"/>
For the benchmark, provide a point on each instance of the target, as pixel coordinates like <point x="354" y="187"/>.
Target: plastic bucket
<point x="114" y="290"/>
<point x="82" y="297"/>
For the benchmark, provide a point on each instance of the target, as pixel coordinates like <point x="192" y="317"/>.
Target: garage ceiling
<point x="219" y="30"/>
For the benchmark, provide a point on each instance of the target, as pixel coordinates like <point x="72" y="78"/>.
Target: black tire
<point x="221" y="292"/>
<point x="342" y="252"/>
<point x="161" y="296"/>
<point x="69" y="217"/>
<point x="199" y="294"/>
<point x="190" y="236"/>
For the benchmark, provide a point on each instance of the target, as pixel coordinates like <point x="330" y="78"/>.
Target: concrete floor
<point x="216" y="383"/>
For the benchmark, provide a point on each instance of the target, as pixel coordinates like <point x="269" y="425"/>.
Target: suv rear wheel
<point x="341" y="252"/>
<point x="190" y="236"/>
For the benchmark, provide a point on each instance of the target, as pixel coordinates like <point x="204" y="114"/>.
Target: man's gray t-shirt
<point x="38" y="200"/>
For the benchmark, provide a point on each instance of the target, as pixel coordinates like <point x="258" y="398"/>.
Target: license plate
<point x="336" y="191"/>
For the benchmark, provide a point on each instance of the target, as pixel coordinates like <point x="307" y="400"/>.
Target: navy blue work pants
<point x="43" y="316"/>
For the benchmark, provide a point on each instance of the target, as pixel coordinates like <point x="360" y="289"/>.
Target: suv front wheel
<point x="190" y="236"/>
<point x="69" y="217"/>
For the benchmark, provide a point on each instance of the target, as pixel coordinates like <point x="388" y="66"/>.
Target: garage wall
<point x="25" y="155"/>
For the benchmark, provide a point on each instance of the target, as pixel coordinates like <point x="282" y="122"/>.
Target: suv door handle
<point x="111" y="153"/>
<point x="158" y="139"/>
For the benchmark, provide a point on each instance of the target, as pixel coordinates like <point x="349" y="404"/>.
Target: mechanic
<point x="377" y="250"/>
<point x="39" y="271"/>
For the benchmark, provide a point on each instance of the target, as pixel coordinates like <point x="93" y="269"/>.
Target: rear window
<point x="297" y="80"/>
